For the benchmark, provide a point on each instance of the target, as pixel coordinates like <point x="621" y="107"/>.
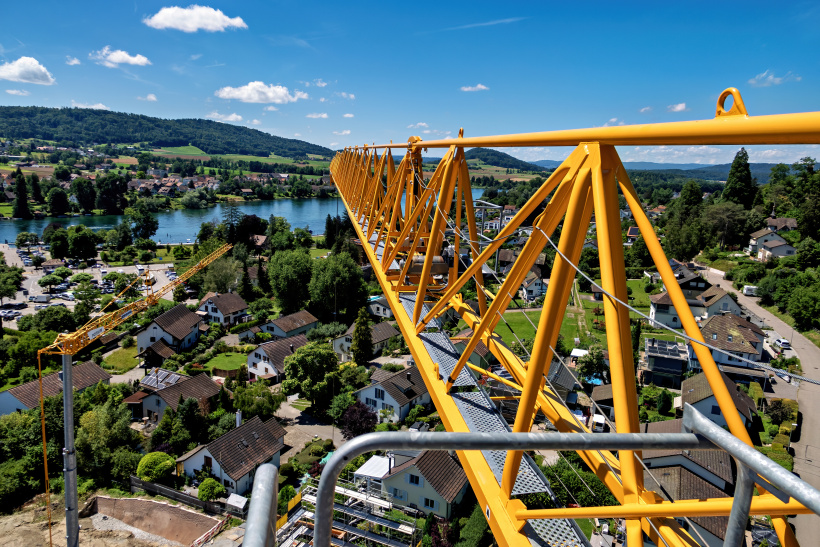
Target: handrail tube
<point x="261" y="522"/>
<point x="748" y="456"/>
<point x="402" y="440"/>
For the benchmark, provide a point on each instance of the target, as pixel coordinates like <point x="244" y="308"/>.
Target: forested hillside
<point x="500" y="159"/>
<point x="79" y="126"/>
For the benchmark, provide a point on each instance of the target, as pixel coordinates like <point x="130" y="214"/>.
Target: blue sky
<point x="346" y="73"/>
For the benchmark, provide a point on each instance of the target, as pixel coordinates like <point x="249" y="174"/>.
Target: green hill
<point x="500" y="159"/>
<point x="80" y="126"/>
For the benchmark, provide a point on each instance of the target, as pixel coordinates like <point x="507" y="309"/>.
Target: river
<point x="182" y="224"/>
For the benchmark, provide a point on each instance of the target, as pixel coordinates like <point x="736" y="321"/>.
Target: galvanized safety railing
<point x="701" y="433"/>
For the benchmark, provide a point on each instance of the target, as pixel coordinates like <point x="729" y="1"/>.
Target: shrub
<point x="664" y="402"/>
<point x="772" y="430"/>
<point x="155" y="467"/>
<point x="128" y="342"/>
<point x="780" y="439"/>
<point x="210" y="490"/>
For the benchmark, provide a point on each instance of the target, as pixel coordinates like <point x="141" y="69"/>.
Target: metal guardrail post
<point x="475" y="441"/>
<point x="261" y="527"/>
<point x="739" y="516"/>
<point x="784" y="480"/>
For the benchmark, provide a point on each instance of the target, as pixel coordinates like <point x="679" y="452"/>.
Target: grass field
<point x="185" y="150"/>
<point x="122" y="360"/>
<point x="227" y="361"/>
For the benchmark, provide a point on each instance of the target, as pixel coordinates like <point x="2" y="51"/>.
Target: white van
<point x="750" y="290"/>
<point x="140" y="269"/>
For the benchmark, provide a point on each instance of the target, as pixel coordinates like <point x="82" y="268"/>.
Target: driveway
<point x="301" y="428"/>
<point x="807" y="448"/>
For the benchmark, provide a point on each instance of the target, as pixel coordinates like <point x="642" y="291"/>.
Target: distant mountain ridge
<point x="87" y="126"/>
<point x="760" y="171"/>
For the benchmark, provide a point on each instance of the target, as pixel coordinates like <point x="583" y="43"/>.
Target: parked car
<point x="782" y="343"/>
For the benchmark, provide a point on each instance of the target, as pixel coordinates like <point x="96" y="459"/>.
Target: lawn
<point x="301" y="404"/>
<point x="122" y="360"/>
<point x="184" y="150"/>
<point x="227" y="361"/>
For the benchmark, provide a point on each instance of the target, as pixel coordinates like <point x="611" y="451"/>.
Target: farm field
<point x="186" y="150"/>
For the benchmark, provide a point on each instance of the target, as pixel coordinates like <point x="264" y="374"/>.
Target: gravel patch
<point x="104" y="522"/>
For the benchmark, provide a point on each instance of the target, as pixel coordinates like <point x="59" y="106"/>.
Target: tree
<point x="102" y="431"/>
<point x="222" y="275"/>
<point x="49" y="281"/>
<point x="63" y="273"/>
<point x="210" y="490"/>
<point x="303" y="238"/>
<point x="179" y="294"/>
<point x="340" y="404"/>
<point x="740" y="188"/>
<point x="156" y="467"/>
<point x="81" y="243"/>
<point x="804" y="307"/>
<point x="290" y="276"/>
<point x="59" y="243"/>
<point x="36" y="191"/>
<point x="357" y="420"/>
<point x="592" y="365"/>
<point x="261" y="308"/>
<point x="257" y="400"/>
<point x="144" y="224"/>
<point x="362" y="346"/>
<point x="727" y="221"/>
<point x="664" y="402"/>
<point x="20" y="208"/>
<point x="337" y="289"/>
<point x="52" y="318"/>
<point x="25" y="239"/>
<point x="58" y="202"/>
<point x="779" y="412"/>
<point x="85" y="193"/>
<point x="307" y="370"/>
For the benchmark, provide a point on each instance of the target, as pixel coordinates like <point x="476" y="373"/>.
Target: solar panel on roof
<point x="161" y="375"/>
<point x="150" y="381"/>
<point x="173" y="379"/>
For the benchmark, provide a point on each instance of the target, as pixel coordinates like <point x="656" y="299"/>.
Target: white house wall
<point x="9" y="403"/>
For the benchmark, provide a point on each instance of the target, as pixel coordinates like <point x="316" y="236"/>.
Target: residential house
<point x="226" y="309"/>
<point x="781" y="224"/>
<point x="156" y="353"/>
<point x="697" y="392"/>
<point x="380" y="333"/>
<point x="505" y="257"/>
<point x="494" y="224"/>
<point x="253" y="275"/>
<point x="234" y="457"/>
<point x="179" y="327"/>
<point x="157" y="173"/>
<point x="632" y="234"/>
<point x="300" y="322"/>
<point x="247" y="193"/>
<point x="604" y="398"/>
<point x="267" y="361"/>
<point x="533" y="287"/>
<point x="774" y="249"/>
<point x="665" y="363"/>
<point x="260" y="243"/>
<point x="396" y="394"/>
<point x="432" y="482"/>
<point x="26" y="396"/>
<point x="199" y="387"/>
<point x="758" y="238"/>
<point x="379" y="307"/>
<point x="679" y="483"/>
<point x="712" y="301"/>
<point x="657" y="211"/>
<point x="734" y="334"/>
<point x="481" y="356"/>
<point x="50" y="265"/>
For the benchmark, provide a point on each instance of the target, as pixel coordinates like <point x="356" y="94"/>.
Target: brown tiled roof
<point x="226" y="303"/>
<point x="717" y="462"/>
<point x="743" y="333"/>
<point x="240" y="450"/>
<point x="602" y="393"/>
<point x="682" y="484"/>
<point x="712" y="295"/>
<point x="178" y="321"/>
<point x="380" y="375"/>
<point x="697" y="388"/>
<point x="53" y="262"/>
<point x="506" y="255"/>
<point x="780" y="223"/>
<point x="259" y="240"/>
<point x="294" y="321"/>
<point x="280" y="349"/>
<point x="200" y="387"/>
<point x="530" y="279"/>
<point x="161" y="348"/>
<point x="382" y="331"/>
<point x="136" y="397"/>
<point x="481" y="349"/>
<point x="761" y="233"/>
<point x="253" y="272"/>
<point x="82" y="376"/>
<point x="775" y="244"/>
<point x="442" y="471"/>
<point x="401" y="389"/>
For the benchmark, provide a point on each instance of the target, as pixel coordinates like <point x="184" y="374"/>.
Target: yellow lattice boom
<point x="401" y="218"/>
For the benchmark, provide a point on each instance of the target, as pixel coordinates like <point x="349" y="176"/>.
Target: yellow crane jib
<point x="408" y="221"/>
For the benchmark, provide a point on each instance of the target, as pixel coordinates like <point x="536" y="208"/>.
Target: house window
<point x="414" y="479"/>
<point x="257" y="355"/>
<point x="370" y="402"/>
<point x="380" y="394"/>
<point x="398" y="494"/>
<point x="725" y="306"/>
<point x="385" y="406"/>
<point x="729" y="338"/>
<point x="714" y="336"/>
<point x="715" y="410"/>
<point x="228" y="483"/>
<point x="675" y="319"/>
<point x="153" y="339"/>
<point x="429" y="504"/>
<point x="209" y="462"/>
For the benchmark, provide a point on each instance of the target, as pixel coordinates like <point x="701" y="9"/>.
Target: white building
<point x="199" y="387"/>
<point x="226" y="309"/>
<point x="774" y="249"/>
<point x="733" y="334"/>
<point x="267" y="361"/>
<point x="760" y="237"/>
<point x="379" y="307"/>
<point x="300" y="322"/>
<point x="396" y="394"/>
<point x="434" y="482"/>
<point x="26" y="396"/>
<point x="712" y="301"/>
<point x="234" y="457"/>
<point x="380" y="333"/>
<point x="179" y="327"/>
<point x="697" y="392"/>
<point x="533" y="287"/>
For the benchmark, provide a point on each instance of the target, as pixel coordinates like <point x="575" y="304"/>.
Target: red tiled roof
<point x="82" y="376"/>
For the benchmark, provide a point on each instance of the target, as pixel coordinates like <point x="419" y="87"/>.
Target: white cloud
<point x="270" y="108"/>
<point x="766" y="79"/>
<point x="71" y="61"/>
<point x="18" y="92"/>
<point x="344" y="95"/>
<point x="192" y="19"/>
<point x="316" y="115"/>
<point x="322" y="100"/>
<point x="254" y="122"/>
<point x="417" y="125"/>
<point x="113" y="59"/>
<point x="151" y="98"/>
<point x="195" y="56"/>
<point x="680" y="107"/>
<point x="488" y="23"/>
<point x="95" y="106"/>
<point x="613" y="121"/>
<point x="347" y="116"/>
<point x="258" y="92"/>
<point x="645" y="109"/>
<point x="479" y="87"/>
<point x="297" y="134"/>
<point x="26" y="70"/>
<point x="341" y="133"/>
<point x="534" y="153"/>
<point x="319" y="83"/>
<point x="437" y="132"/>
<point x="334" y="144"/>
<point x="224" y="117"/>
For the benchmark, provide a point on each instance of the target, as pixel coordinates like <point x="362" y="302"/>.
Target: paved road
<point x="807" y="449"/>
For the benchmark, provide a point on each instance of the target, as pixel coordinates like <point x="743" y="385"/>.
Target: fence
<point x="157" y="489"/>
<point x="201" y="540"/>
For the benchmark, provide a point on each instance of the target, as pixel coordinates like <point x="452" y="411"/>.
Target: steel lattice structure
<point x="401" y="220"/>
